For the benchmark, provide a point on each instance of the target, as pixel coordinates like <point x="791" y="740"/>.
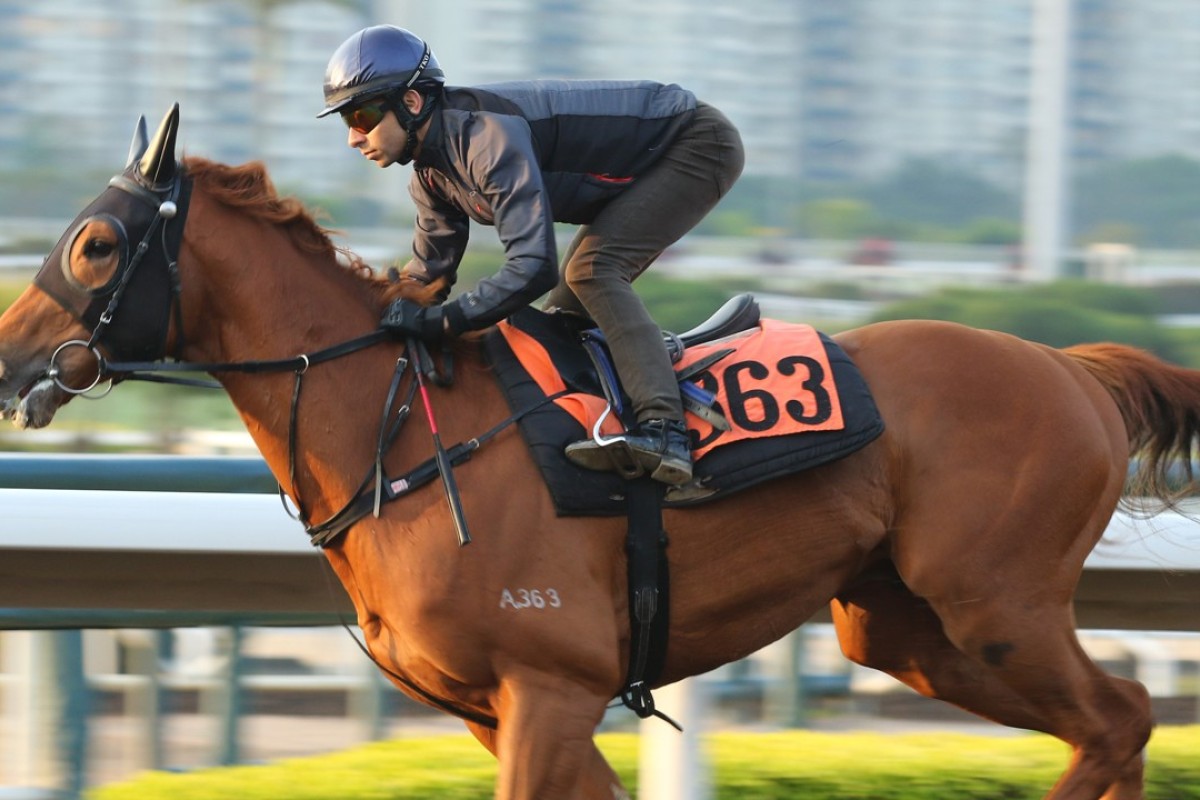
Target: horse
<point x="948" y="549"/>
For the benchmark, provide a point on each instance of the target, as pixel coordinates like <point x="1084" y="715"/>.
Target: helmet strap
<point x="411" y="122"/>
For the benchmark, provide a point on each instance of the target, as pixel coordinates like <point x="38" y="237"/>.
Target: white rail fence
<point x="77" y="558"/>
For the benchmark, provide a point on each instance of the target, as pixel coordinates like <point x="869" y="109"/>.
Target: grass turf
<point x="745" y="766"/>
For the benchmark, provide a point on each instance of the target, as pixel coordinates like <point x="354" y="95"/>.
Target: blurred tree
<point x="1157" y="198"/>
<point x="679" y="305"/>
<point x="927" y="191"/>
<point x="1099" y="297"/>
<point x="991" y="230"/>
<point x="1058" y="315"/>
<point x="347" y="212"/>
<point x="732" y="222"/>
<point x="841" y="218"/>
<point x="1176" y="298"/>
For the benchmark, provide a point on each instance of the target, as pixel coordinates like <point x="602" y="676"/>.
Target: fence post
<point x="30" y="714"/>
<point x="786" y="703"/>
<point x="366" y="703"/>
<point x="672" y="765"/>
<point x="73" y="711"/>
<point x="231" y="708"/>
<point x="143" y="651"/>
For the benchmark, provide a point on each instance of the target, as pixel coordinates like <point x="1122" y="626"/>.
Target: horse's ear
<point x="158" y="163"/>
<point x="137" y="147"/>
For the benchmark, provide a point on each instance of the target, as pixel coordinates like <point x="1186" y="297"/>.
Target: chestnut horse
<point x="949" y="548"/>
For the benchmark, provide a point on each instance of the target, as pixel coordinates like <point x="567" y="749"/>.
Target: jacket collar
<point x="433" y="148"/>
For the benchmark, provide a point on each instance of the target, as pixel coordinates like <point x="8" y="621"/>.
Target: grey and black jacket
<point x="522" y="156"/>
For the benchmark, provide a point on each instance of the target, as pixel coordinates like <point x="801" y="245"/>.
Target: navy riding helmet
<point x="376" y="61"/>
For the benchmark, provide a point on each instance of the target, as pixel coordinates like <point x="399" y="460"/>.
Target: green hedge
<point x="762" y="766"/>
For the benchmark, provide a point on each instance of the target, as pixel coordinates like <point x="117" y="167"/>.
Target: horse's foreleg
<point x="603" y="782"/>
<point x="1130" y="785"/>
<point x="544" y="742"/>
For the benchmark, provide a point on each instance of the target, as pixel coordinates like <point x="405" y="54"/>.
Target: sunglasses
<point x="365" y="118"/>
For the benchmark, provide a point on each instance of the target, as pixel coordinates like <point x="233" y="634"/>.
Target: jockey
<point x="635" y="164"/>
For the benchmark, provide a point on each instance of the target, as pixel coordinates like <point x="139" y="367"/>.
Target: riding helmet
<point x="375" y="61"/>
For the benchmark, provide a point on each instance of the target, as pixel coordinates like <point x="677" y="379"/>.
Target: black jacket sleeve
<point x="498" y="160"/>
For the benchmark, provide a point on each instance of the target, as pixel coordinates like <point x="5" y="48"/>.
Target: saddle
<point x="763" y="399"/>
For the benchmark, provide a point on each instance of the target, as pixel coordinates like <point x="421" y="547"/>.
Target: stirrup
<point x="605" y="453"/>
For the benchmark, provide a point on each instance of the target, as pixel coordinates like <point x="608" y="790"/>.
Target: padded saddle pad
<point x="793" y="397"/>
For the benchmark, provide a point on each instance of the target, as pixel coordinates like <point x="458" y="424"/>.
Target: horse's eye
<point x="98" y="248"/>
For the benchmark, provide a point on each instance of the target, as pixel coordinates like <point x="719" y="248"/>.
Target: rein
<point x="376" y="488"/>
<point x="151" y="371"/>
<point x="368" y="499"/>
<point x="147" y="370"/>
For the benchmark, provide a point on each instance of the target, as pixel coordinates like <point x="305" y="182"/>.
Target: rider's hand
<point x="404" y="318"/>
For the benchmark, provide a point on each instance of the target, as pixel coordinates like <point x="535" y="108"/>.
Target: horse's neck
<point x="259" y="298"/>
<point x="282" y="307"/>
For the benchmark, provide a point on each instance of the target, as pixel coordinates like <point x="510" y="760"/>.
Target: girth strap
<point x="649" y="584"/>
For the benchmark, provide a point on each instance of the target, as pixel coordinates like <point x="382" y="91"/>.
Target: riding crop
<point x="445" y="468"/>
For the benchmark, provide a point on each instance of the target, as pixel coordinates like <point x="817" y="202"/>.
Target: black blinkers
<point x="129" y="312"/>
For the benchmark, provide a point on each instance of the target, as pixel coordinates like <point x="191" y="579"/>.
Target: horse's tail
<point x="1160" y="404"/>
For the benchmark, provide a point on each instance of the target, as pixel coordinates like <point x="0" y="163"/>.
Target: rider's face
<point x="384" y="138"/>
<point x="383" y="144"/>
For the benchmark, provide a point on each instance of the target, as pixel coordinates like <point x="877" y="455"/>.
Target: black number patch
<point x="752" y="406"/>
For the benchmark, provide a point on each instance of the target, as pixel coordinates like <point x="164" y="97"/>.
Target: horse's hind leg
<point x="1023" y="637"/>
<point x="1035" y="653"/>
<point x="883" y="625"/>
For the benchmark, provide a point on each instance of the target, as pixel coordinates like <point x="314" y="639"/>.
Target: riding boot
<point x="658" y="446"/>
<point x="664" y="450"/>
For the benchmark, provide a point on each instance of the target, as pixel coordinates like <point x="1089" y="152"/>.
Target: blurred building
<point x="75" y="75"/>
<point x="1135" y="79"/>
<point x="745" y="64"/>
<point x="887" y="81"/>
<point x="821" y="90"/>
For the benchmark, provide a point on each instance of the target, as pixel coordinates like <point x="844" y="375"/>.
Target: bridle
<point x="135" y="333"/>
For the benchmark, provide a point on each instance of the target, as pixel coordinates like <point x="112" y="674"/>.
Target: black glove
<point x="404" y="318"/>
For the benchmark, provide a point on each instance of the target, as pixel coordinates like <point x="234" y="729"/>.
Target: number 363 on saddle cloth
<point x="791" y="395"/>
<point x="777" y="382"/>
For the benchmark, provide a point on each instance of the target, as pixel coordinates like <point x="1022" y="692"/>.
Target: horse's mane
<point x="250" y="189"/>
